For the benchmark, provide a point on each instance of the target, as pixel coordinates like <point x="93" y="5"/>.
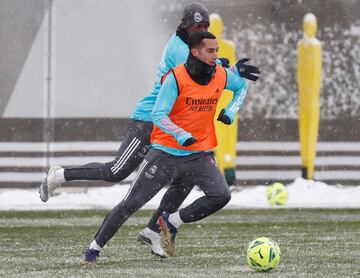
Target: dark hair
<point x="196" y="39"/>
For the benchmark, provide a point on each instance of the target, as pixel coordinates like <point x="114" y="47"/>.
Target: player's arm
<point x="162" y="108"/>
<point x="239" y="86"/>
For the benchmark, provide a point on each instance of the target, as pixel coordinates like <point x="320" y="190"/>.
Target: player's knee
<point x="226" y="196"/>
<point x="119" y="176"/>
<point x="115" y="173"/>
<point x="223" y="198"/>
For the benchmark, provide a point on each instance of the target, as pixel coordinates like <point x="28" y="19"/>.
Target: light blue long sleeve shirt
<point x="167" y="96"/>
<point x="175" y="53"/>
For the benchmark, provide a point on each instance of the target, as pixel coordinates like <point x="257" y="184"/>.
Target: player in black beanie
<point x="195" y="18"/>
<point x="193" y="13"/>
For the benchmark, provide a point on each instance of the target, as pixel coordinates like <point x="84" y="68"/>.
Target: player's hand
<point x="188" y="142"/>
<point x="225" y="62"/>
<point x="224" y="118"/>
<point x="247" y="71"/>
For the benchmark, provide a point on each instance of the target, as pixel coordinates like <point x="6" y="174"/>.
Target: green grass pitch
<point x="314" y="243"/>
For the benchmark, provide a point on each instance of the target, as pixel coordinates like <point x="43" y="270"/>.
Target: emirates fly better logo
<point x="201" y="104"/>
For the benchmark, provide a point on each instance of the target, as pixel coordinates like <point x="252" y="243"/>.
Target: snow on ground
<point x="302" y="194"/>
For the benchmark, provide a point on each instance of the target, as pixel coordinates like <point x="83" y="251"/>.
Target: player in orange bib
<point x="193" y="111"/>
<point x="182" y="141"/>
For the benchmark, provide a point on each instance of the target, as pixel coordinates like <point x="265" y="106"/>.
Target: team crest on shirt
<point x="143" y="151"/>
<point x="197" y="17"/>
<point x="151" y="172"/>
<point x="152" y="169"/>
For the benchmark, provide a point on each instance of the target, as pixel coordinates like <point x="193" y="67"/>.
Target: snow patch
<point x="302" y="194"/>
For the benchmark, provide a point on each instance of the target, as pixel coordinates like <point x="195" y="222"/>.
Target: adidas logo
<point x="217" y="90"/>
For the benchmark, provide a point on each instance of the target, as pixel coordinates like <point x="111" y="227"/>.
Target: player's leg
<point x="154" y="173"/>
<point x="170" y="202"/>
<point x="217" y="194"/>
<point x="131" y="152"/>
<point x="211" y="181"/>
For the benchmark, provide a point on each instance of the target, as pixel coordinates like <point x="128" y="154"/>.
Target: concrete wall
<point x="21" y="40"/>
<point x="104" y="56"/>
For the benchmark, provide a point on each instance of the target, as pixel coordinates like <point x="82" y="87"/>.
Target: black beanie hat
<point x="194" y="12"/>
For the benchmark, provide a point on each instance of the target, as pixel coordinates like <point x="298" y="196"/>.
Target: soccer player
<point x="182" y="140"/>
<point x="136" y="142"/>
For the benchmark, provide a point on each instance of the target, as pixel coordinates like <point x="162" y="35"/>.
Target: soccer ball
<point x="263" y="254"/>
<point x="277" y="194"/>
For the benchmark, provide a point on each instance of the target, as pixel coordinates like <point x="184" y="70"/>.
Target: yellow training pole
<point x="227" y="135"/>
<point x="309" y="78"/>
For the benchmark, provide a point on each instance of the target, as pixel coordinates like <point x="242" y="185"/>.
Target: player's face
<point x="197" y="27"/>
<point x="208" y="52"/>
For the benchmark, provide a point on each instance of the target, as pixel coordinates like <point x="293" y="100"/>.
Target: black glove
<point x="223" y="118"/>
<point x="188" y="142"/>
<point x="247" y="71"/>
<point x="225" y="62"/>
